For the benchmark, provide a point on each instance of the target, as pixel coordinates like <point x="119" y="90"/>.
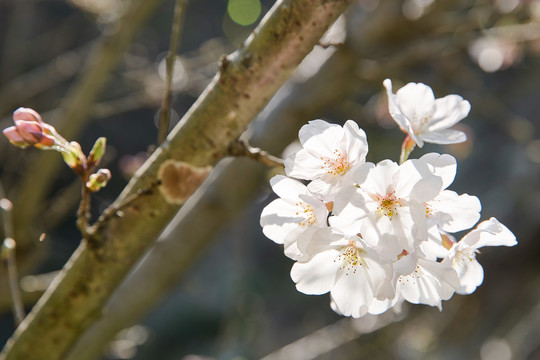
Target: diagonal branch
<point x="246" y="81"/>
<point x="214" y="206"/>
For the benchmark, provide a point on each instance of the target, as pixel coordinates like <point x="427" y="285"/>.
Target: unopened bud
<point x="27" y="114"/>
<point x="14" y="137"/>
<point x="74" y="157"/>
<point x="97" y="152"/>
<point x="30" y="130"/>
<point x="98" y="180"/>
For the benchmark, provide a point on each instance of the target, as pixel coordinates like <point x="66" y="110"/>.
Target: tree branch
<point x="165" y="111"/>
<point x="214" y="206"/>
<point x="246" y="81"/>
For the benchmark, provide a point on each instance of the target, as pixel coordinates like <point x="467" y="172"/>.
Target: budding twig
<point x="165" y="111"/>
<point x="242" y="148"/>
<point x="83" y="213"/>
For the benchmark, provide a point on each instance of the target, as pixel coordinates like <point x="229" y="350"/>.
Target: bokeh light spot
<point x="244" y="12"/>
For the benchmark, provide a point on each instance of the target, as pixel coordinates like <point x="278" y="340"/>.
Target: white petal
<point x="304" y="165"/>
<point x="315" y="128"/>
<point x="353" y="292"/>
<point x="278" y="219"/>
<point x="471" y="275"/>
<point x="291" y="247"/>
<point x="443" y="137"/>
<point x="443" y="165"/>
<point x="359" y="173"/>
<point x="380" y="178"/>
<point x="453" y="212"/>
<point x="489" y="233"/>
<point x="349" y="210"/>
<point x="325" y="142"/>
<point x="417" y="102"/>
<point x="429" y="284"/>
<point x="394" y="110"/>
<point x="316" y="276"/>
<point x="287" y="188"/>
<point x="355" y="143"/>
<point x="449" y="110"/>
<point x="379" y="306"/>
<point x="416" y="181"/>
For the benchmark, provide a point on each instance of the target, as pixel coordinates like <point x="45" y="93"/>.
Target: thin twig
<point x="10" y="264"/>
<point x="242" y="148"/>
<point x="7" y="256"/>
<point x="165" y="111"/>
<point x="326" y="45"/>
<point x="83" y="213"/>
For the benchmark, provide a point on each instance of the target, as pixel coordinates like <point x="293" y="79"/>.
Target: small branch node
<point x="242" y="148"/>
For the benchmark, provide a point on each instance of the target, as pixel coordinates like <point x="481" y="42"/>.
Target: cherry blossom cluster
<point x="376" y="235"/>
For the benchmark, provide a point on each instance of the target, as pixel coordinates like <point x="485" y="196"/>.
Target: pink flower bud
<point x="46" y="142"/>
<point x="30" y="131"/>
<point x="27" y="114"/>
<point x="14" y="137"/>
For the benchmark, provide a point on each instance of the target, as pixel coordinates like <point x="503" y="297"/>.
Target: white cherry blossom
<point x="387" y="205"/>
<point x="329" y="153"/>
<point x="424" y="118"/>
<point x="345" y="267"/>
<point x="389" y="224"/>
<point x="297" y="213"/>
<point x="462" y="255"/>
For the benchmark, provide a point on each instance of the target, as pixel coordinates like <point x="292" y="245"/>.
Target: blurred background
<point x="213" y="287"/>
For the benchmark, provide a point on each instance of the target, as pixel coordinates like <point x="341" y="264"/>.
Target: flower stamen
<point x="337" y="165"/>
<point x="307" y="212"/>
<point x="351" y="258"/>
<point x="388" y="204"/>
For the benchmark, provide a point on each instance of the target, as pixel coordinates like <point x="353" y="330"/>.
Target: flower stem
<point x="406" y="148"/>
<point x="10" y="264"/>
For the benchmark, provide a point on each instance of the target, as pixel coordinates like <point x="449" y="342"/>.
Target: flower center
<point x="419" y="122"/>
<point x="337" y="165"/>
<point x="307" y="212"/>
<point x="350" y="257"/>
<point x="388" y="204"/>
<point x="465" y="256"/>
